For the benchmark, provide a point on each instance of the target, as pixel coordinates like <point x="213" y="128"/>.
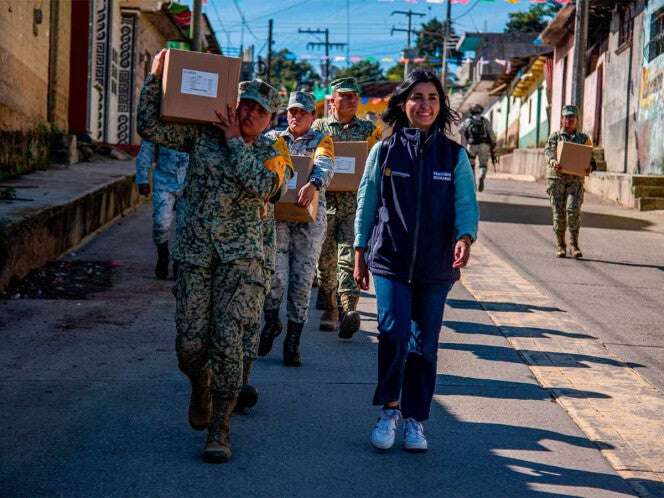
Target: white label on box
<point x="344" y="165"/>
<point x="292" y="183"/>
<point x="199" y="83"/>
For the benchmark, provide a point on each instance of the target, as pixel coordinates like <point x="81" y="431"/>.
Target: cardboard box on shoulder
<point x="573" y="158"/>
<point x="195" y="84"/>
<point x="350" y="159"/>
<point x="287" y="209"/>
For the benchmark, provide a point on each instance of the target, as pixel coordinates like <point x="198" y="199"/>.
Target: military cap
<point x="303" y="100"/>
<point x="346" y="85"/>
<point x="569" y="110"/>
<point x="259" y="91"/>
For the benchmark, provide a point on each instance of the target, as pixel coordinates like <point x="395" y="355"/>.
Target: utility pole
<point x="580" y="44"/>
<point x="196" y="25"/>
<point x="270" y="42"/>
<point x="447" y="31"/>
<point x="409" y="13"/>
<point x="326" y="44"/>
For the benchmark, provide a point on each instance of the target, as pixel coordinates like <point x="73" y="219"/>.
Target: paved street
<point x="93" y="404"/>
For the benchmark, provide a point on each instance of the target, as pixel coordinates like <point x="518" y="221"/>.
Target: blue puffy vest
<point x="414" y="236"/>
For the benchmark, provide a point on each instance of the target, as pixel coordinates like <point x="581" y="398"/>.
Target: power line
<point x="326" y="44"/>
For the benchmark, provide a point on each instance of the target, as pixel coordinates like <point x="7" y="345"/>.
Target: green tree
<point x="287" y="72"/>
<point x="363" y="71"/>
<point x="533" y="20"/>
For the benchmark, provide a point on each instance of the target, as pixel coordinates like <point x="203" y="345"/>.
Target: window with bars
<point x="655" y="46"/>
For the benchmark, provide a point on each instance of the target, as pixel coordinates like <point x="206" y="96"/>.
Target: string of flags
<point x="390" y="60"/>
<point x="464" y="2"/>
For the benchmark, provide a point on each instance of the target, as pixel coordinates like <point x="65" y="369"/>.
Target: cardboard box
<point x="351" y="158"/>
<point x="286" y="209"/>
<point x="195" y="84"/>
<point x="574" y="158"/>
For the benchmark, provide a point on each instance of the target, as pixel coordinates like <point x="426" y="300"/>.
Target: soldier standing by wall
<point x="480" y="140"/>
<point x="220" y="249"/>
<point x="335" y="266"/>
<point x="566" y="191"/>
<point x="298" y="244"/>
<point x="170" y="171"/>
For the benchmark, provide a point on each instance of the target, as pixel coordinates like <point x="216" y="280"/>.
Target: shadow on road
<point x="504" y="389"/>
<point x="511" y="331"/>
<point x="489" y="449"/>
<point x="542" y="358"/>
<point x="469" y="304"/>
<point x="621" y="263"/>
<point x="525" y="214"/>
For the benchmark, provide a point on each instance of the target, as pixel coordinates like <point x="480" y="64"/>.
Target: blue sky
<point x="370" y="23"/>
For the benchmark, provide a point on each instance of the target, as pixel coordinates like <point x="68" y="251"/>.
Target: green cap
<point x="346" y="85"/>
<point x="569" y="110"/>
<point x="303" y="100"/>
<point x="259" y="91"/>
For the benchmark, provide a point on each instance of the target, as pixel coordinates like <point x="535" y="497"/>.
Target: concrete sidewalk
<point x="93" y="405"/>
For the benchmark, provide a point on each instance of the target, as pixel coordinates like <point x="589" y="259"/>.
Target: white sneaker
<point x="413" y="436"/>
<point x="385" y="430"/>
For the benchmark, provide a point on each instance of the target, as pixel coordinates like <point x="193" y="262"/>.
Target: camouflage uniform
<point x="170" y="171"/>
<point x="565" y="191"/>
<point x="220" y="249"/>
<point x="299" y="244"/>
<point x="336" y="262"/>
<point x="253" y="314"/>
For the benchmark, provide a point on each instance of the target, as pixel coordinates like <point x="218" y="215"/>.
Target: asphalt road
<point x="616" y="291"/>
<point x="93" y="403"/>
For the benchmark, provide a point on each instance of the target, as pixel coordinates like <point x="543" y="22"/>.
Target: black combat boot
<point x="163" y="257"/>
<point x="271" y="330"/>
<point x="248" y="395"/>
<point x="292" y="345"/>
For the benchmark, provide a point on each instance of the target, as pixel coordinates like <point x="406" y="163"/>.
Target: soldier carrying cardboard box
<point x="565" y="190"/>
<point x="298" y="244"/>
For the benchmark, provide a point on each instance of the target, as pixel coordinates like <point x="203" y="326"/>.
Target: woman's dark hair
<point x="395" y="115"/>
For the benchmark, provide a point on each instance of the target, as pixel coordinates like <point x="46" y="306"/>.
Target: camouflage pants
<point x="214" y="306"/>
<point x="483" y="153"/>
<point x="298" y="248"/>
<point x="164" y="205"/>
<point x="337" y="261"/>
<point x="566" y="195"/>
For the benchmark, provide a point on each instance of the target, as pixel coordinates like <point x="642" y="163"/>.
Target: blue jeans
<point x="409" y="322"/>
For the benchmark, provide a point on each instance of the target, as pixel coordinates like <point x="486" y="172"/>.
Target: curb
<point x="32" y="237"/>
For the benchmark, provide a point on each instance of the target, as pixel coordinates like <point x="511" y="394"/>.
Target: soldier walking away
<point x="298" y="244"/>
<point x="480" y="141"/>
<point x="335" y="265"/>
<point x="566" y="191"/>
<point x="170" y="171"/>
<point x="220" y="249"/>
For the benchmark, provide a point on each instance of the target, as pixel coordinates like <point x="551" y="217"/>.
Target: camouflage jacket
<point x="357" y="130"/>
<point x="312" y="143"/>
<point x="550" y="152"/>
<point x="226" y="188"/>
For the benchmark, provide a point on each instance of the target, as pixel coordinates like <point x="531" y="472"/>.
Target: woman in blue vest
<point x="417" y="216"/>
